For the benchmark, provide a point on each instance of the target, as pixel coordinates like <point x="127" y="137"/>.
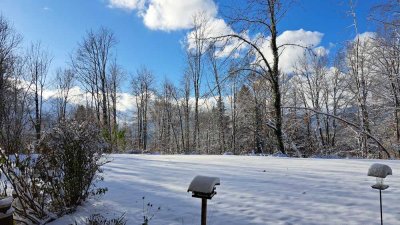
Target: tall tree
<point x="142" y="89"/>
<point x="9" y="42"/>
<point x="196" y="47"/>
<point x="220" y="103"/>
<point x="38" y="65"/>
<point x="359" y="70"/>
<point x="64" y="84"/>
<point x="312" y="71"/>
<point x="92" y="61"/>
<point x="263" y="16"/>
<point x="186" y="110"/>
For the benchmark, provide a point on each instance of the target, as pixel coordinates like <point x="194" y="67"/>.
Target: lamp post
<point x="380" y="171"/>
<point x="203" y="187"/>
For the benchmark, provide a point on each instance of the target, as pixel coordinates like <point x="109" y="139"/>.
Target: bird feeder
<point x="380" y="172"/>
<point x="203" y="187"/>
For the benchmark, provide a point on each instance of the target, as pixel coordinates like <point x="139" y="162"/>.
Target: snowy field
<point x="253" y="190"/>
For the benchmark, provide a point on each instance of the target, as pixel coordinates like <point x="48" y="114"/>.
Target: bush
<point x="97" y="219"/>
<point x="56" y="181"/>
<point x="148" y="212"/>
<point x="73" y="152"/>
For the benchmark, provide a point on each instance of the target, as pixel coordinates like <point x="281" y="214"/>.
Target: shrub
<point x="72" y="151"/>
<point x="56" y="181"/>
<point x="98" y="219"/>
<point x="148" y="212"/>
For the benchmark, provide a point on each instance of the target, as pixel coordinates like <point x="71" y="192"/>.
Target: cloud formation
<point x="167" y="15"/>
<point x="294" y="40"/>
<point x="127" y="4"/>
<point x="77" y="96"/>
<point x="171" y="15"/>
<point x="211" y="27"/>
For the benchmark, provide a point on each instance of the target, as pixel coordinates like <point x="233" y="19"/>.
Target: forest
<point x="233" y="96"/>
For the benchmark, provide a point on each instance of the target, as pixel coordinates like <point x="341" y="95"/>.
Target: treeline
<point x="232" y="97"/>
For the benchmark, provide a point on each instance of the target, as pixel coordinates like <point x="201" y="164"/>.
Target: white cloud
<point x="216" y="27"/>
<point x="127" y="4"/>
<point x="292" y="52"/>
<point x="77" y="96"/>
<point x="171" y="15"/>
<point x="126" y="102"/>
<point x="212" y="27"/>
<point x="321" y="51"/>
<point x="167" y="15"/>
<point x="366" y="36"/>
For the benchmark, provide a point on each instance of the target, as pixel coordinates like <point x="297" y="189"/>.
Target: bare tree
<point x="386" y="55"/>
<point x="263" y="16"/>
<point x="233" y="107"/>
<point x="186" y="110"/>
<point x="64" y="84"/>
<point x="14" y="134"/>
<point x="312" y="71"/>
<point x="360" y="69"/>
<point x="92" y="61"/>
<point x="387" y="14"/>
<point x="336" y="89"/>
<point x="142" y="89"/>
<point x="220" y="103"/>
<point x="115" y="76"/>
<point x="196" y="48"/>
<point x="9" y="42"/>
<point x="38" y="65"/>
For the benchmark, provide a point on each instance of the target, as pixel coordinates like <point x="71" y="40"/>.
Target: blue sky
<point x="60" y="24"/>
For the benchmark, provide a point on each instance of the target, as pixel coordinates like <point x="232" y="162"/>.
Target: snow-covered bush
<point x="72" y="152"/>
<point x="58" y="179"/>
<point x="32" y="199"/>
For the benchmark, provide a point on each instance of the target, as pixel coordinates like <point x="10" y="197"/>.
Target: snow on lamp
<point x="380" y="172"/>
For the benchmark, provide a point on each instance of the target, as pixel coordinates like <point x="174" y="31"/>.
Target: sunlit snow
<point x="253" y="190"/>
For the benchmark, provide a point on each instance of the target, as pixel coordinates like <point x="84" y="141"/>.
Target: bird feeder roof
<point x="203" y="184"/>
<point x="379" y="170"/>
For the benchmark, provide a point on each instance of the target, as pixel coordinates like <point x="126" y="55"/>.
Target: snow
<point x="254" y="190"/>
<point x="379" y="170"/>
<point x="203" y="184"/>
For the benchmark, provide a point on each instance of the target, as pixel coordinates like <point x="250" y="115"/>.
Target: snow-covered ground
<point x="253" y="190"/>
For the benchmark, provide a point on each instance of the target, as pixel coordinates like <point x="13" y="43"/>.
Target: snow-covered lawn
<point x="253" y="190"/>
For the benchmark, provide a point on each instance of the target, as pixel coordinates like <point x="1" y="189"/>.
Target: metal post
<point x="203" y="211"/>
<point x="380" y="200"/>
